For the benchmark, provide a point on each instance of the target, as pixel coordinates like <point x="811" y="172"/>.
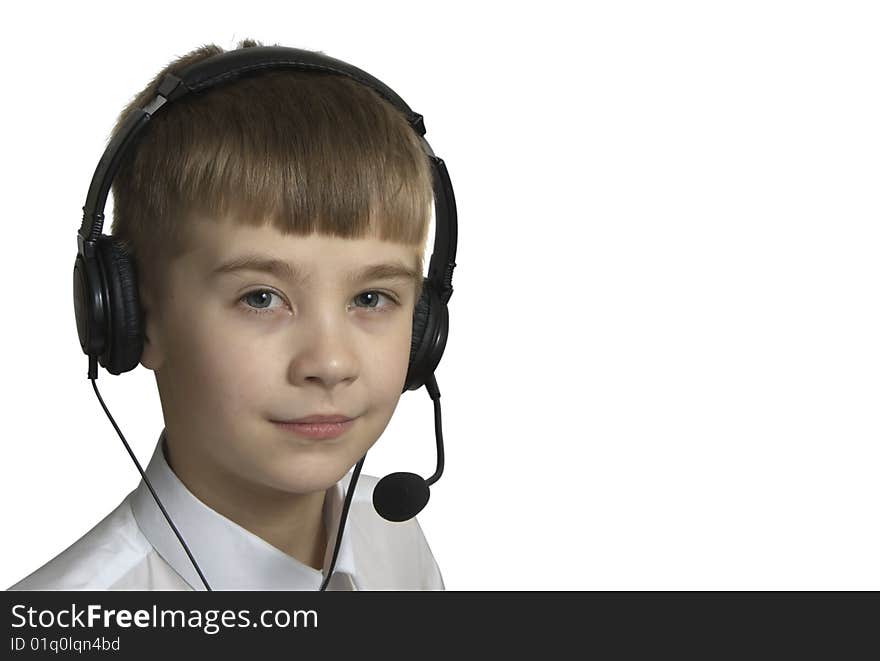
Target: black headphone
<point x="109" y="319"/>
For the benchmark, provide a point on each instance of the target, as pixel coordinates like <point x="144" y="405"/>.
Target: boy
<point x="278" y="223"/>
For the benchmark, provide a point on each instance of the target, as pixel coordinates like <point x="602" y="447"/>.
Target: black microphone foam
<point x="400" y="496"/>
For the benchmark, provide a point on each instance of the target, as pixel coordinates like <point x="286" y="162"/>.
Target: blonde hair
<point x="304" y="151"/>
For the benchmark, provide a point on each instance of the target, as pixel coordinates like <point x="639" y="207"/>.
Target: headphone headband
<point x="233" y="64"/>
<point x="228" y="66"/>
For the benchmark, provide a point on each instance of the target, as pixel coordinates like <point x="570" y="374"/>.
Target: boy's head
<point x="321" y="175"/>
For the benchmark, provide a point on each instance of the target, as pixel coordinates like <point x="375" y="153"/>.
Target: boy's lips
<point x="317" y="418"/>
<point x="318" y="427"/>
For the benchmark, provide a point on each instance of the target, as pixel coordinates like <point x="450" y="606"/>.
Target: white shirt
<point x="134" y="548"/>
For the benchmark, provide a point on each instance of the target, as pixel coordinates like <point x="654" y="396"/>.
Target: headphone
<point x="109" y="318"/>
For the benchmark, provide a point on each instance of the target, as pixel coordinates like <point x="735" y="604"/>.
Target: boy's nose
<point x="324" y="355"/>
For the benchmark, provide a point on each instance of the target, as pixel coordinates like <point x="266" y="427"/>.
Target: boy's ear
<point x="151" y="358"/>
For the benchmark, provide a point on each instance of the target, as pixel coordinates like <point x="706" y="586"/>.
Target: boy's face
<point x="234" y="351"/>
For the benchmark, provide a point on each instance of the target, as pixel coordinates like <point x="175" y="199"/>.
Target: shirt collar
<point x="230" y="556"/>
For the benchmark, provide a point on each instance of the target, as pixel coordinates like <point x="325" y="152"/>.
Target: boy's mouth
<point x="318" y="426"/>
<point x="317" y="418"/>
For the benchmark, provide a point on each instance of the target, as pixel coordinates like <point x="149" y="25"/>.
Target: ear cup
<point x="88" y="304"/>
<point x="125" y="327"/>
<point x="420" y="321"/>
<point x="430" y="327"/>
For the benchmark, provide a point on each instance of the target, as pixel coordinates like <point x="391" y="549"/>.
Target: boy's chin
<point x="308" y="477"/>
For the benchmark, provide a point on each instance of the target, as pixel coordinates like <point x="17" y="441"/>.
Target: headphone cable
<point x="93" y="370"/>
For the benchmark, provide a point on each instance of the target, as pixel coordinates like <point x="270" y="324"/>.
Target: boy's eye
<point x="369" y="298"/>
<point x="257" y="301"/>
<point x="260" y="299"/>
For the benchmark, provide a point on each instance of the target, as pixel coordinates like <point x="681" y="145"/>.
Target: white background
<point x="663" y="367"/>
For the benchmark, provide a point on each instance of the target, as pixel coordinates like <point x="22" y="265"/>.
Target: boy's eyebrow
<point x="285" y="271"/>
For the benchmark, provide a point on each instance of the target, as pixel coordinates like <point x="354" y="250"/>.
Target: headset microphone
<point x="109" y="318"/>
<point x="400" y="496"/>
